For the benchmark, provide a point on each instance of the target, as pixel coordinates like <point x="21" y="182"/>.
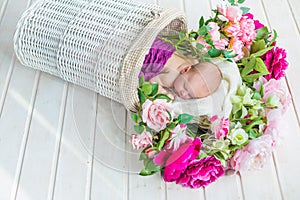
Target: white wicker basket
<point x="100" y="45"/>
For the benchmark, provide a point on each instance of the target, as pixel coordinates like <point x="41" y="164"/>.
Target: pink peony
<point x="232" y="13"/>
<point x="220" y="126"/>
<point x="273" y="131"/>
<point x="155" y="114"/>
<point x="143" y="140"/>
<point x="201" y="172"/>
<point x="247" y="30"/>
<point x="237" y="48"/>
<point x="275" y="88"/>
<point x="254" y="155"/>
<point x="276" y="63"/>
<point x="232" y="30"/>
<point x="214" y="32"/>
<point x="257" y="24"/>
<point x="176" y="162"/>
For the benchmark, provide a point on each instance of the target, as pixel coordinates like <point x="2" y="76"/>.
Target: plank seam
<point x="293" y="102"/>
<point x="25" y="136"/>
<point x="58" y="142"/>
<point x="241" y="184"/>
<point x="3" y="9"/>
<point x="293" y="15"/>
<point x="92" y="157"/>
<point x="7" y="82"/>
<point x="277" y="175"/>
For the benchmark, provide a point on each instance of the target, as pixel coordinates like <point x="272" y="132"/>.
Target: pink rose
<point x="143" y="140"/>
<point x="176" y="162"/>
<point x="257" y="24"/>
<point x="276" y="63"/>
<point x="254" y="155"/>
<point x="220" y="126"/>
<point x="201" y="172"/>
<point x="155" y="114"/>
<point x="232" y="13"/>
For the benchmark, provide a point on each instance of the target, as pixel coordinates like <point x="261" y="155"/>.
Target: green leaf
<point x="260" y="66"/>
<point x="171" y="126"/>
<point x="147" y="88"/>
<point x="249" y="66"/>
<point x="193" y="34"/>
<point x="257" y="46"/>
<point x="262" y="52"/>
<point x="199" y="46"/>
<point x="165" y="136"/>
<point x="143" y="156"/>
<point x="245" y="10"/>
<point x="274" y="37"/>
<point x="182" y="34"/>
<point x="203" y="30"/>
<point x="252" y="77"/>
<point x="139" y="129"/>
<point x="134" y="117"/>
<point x="149" y="168"/>
<point x="184" y="118"/>
<point x="256" y="95"/>
<point x="154" y="89"/>
<point x="142" y="96"/>
<point x="141" y="80"/>
<point x="262" y="33"/>
<point x="214" y="52"/>
<point x="162" y="96"/>
<point x="201" y="22"/>
<point x="241" y="1"/>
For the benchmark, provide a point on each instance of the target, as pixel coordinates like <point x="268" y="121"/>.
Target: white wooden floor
<point x="60" y="141"/>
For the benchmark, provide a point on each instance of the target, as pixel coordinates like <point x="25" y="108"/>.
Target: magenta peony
<point x="201" y="172"/>
<point x="176" y="162"/>
<point x="155" y="114"/>
<point x="276" y="63"/>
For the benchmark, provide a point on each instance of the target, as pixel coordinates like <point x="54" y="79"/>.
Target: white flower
<point x="238" y="136"/>
<point x="178" y="136"/>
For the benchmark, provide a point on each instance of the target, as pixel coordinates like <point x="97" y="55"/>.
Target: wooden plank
<point x="75" y="152"/>
<point x="138" y="186"/>
<point x="109" y="177"/>
<point x="194" y="10"/>
<point x="15" y="119"/>
<point x="289" y="39"/>
<point x="171" y="4"/>
<point x="44" y="129"/>
<point x="175" y="191"/>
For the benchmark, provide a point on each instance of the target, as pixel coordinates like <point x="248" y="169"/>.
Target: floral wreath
<point x="195" y="153"/>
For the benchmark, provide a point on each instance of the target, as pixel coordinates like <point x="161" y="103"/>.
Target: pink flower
<point x="232" y="13"/>
<point x="176" y="162"/>
<point x="237" y="48"/>
<point x="257" y="24"/>
<point x="143" y="140"/>
<point x="272" y="130"/>
<point x="201" y="172"/>
<point x="155" y="114"/>
<point x="276" y="63"/>
<point x="214" y="32"/>
<point x="150" y="152"/>
<point x="221" y="44"/>
<point x="254" y="155"/>
<point x="247" y="29"/>
<point x="232" y="30"/>
<point x="275" y="88"/>
<point x="220" y="126"/>
<point x="178" y="136"/>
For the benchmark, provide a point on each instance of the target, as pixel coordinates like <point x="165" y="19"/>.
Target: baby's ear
<point x="185" y="69"/>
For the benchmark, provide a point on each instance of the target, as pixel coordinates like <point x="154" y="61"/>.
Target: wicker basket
<point x="100" y="45"/>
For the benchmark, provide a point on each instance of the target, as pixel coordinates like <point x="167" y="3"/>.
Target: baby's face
<point x="197" y="82"/>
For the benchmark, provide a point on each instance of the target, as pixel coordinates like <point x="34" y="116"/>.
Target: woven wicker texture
<point x="97" y="44"/>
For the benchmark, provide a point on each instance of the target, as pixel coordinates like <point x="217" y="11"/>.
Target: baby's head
<point x="197" y="81"/>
